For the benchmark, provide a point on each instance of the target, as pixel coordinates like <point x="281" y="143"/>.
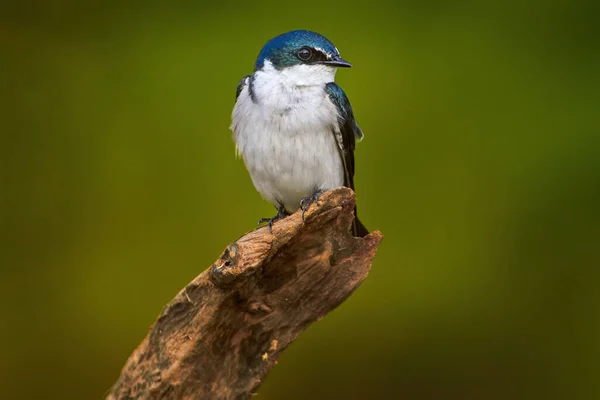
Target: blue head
<point x="300" y="48"/>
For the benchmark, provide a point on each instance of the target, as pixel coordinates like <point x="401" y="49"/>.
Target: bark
<point x="220" y="336"/>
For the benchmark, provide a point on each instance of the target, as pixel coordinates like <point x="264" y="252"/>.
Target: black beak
<point x="336" y="62"/>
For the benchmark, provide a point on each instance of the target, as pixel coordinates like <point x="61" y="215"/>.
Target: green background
<point x="481" y="166"/>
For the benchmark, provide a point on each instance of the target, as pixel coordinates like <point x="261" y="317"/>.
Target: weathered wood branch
<point x="221" y="335"/>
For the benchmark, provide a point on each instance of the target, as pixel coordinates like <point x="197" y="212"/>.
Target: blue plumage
<point x="278" y="49"/>
<point x="344" y="109"/>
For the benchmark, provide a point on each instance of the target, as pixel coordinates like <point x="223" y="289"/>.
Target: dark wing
<point x="241" y="85"/>
<point x="348" y="130"/>
<point x="346" y="134"/>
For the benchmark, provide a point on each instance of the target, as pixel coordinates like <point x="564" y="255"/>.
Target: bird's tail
<point x="358" y="229"/>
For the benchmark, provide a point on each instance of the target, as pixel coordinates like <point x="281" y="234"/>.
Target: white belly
<point x="290" y="152"/>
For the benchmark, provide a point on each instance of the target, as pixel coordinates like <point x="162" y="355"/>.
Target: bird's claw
<point x="305" y="202"/>
<point x="280" y="214"/>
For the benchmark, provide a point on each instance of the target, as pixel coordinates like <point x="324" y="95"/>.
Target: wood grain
<point x="220" y="336"/>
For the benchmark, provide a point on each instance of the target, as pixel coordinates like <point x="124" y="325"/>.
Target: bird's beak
<point x="337" y="62"/>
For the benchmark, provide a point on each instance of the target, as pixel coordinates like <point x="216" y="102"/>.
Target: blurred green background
<point x="481" y="165"/>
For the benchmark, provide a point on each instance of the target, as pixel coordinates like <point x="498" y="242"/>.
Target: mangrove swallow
<point x="294" y="126"/>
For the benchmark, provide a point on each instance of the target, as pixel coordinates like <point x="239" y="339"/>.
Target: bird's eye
<point x="305" y="54"/>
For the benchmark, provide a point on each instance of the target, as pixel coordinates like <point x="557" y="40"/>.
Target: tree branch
<point x="221" y="335"/>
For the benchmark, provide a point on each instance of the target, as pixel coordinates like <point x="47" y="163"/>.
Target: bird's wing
<point x="241" y="85"/>
<point x="347" y="131"/>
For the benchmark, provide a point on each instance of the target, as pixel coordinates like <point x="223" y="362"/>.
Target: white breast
<point x="286" y="137"/>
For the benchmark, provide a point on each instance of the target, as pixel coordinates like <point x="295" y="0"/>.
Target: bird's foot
<point x="281" y="213"/>
<point x="305" y="202"/>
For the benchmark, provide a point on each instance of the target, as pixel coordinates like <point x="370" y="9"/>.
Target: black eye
<point x="305" y="54"/>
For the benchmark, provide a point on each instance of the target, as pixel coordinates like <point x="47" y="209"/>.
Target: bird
<point x="293" y="126"/>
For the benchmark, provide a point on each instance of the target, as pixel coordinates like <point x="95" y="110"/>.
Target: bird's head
<point x="301" y="53"/>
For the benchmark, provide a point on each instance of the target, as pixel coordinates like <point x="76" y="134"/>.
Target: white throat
<point x="279" y="88"/>
<point x="301" y="75"/>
